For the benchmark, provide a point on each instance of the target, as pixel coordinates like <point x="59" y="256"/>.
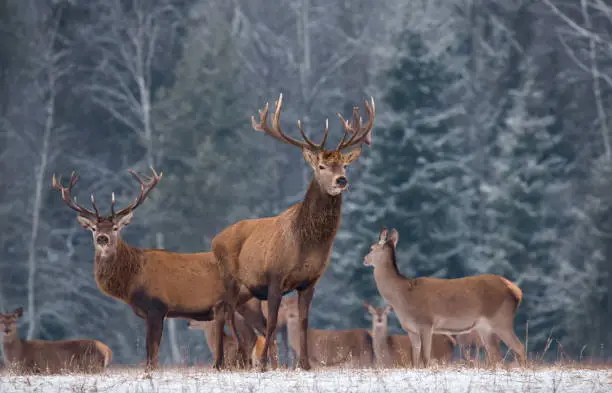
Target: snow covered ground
<point x="338" y="381"/>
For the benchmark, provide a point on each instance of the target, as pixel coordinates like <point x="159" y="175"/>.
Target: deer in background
<point x="396" y="350"/>
<point x="467" y="340"/>
<point x="426" y="305"/>
<point x="40" y="356"/>
<point x="157" y="284"/>
<point x="232" y="355"/>
<point x="351" y="347"/>
<point x="273" y="256"/>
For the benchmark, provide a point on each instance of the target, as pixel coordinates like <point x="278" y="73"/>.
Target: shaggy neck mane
<point x="318" y="216"/>
<point x="114" y="273"/>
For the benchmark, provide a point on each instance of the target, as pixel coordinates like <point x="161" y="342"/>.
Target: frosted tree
<point x="409" y="178"/>
<point x="131" y="41"/>
<point x="34" y="135"/>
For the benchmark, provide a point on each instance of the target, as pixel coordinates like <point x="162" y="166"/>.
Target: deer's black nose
<point x="341" y="181"/>
<point x="102" y="240"/>
<point x="6" y="330"/>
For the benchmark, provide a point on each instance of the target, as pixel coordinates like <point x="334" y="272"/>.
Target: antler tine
<point x="275" y="131"/>
<point x="67" y="197"/>
<point x="311" y="143"/>
<point x="113" y="204"/>
<point x="360" y="133"/>
<point x="347" y="128"/>
<point x="93" y="203"/>
<point x="146" y="186"/>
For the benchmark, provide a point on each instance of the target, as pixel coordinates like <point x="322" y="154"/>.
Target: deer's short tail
<point x="515" y="291"/>
<point x="106" y="351"/>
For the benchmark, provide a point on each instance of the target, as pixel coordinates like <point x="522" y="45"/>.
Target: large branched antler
<point x="359" y="133"/>
<point x="276" y="132"/>
<point x="146" y="186"/>
<point x="67" y="197"/>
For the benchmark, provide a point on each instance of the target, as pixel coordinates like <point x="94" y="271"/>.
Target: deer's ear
<point x="124" y="220"/>
<point x="311" y="157"/>
<point x="86" y="222"/>
<point x="382" y="236"/>
<point x="394" y="237"/>
<point x="351" y="156"/>
<point x="18" y="312"/>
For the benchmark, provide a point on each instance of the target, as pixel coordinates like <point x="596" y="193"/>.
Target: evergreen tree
<point x="409" y="181"/>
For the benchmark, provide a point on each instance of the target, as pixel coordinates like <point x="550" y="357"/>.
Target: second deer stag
<point x="272" y="256"/>
<point x="157" y="284"/>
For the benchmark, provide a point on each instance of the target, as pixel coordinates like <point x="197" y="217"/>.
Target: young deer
<point x="233" y="357"/>
<point x="157" y="284"/>
<point x="39" y="356"/>
<point x="352" y="347"/>
<point x="276" y="255"/>
<point x="467" y="340"/>
<point x="396" y="350"/>
<point x="424" y="306"/>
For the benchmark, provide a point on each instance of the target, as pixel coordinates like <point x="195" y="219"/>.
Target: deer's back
<point x="57" y="356"/>
<point x="467" y="297"/>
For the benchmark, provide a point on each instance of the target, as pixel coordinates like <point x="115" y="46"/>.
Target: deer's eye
<point x="93" y="229"/>
<point x="344" y="166"/>
<point x="115" y="228"/>
<point x="321" y="166"/>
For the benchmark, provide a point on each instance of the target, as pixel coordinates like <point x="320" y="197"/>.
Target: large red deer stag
<point x="50" y="357"/>
<point x="276" y="255"/>
<point x="427" y="305"/>
<point x="157" y="284"/>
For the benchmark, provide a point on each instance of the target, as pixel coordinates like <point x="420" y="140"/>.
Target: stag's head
<point x="383" y="251"/>
<point x="9" y="323"/>
<point x="329" y="165"/>
<point x="106" y="229"/>
<point x="380" y="315"/>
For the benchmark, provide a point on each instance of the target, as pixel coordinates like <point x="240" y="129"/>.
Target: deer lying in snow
<point x="396" y="350"/>
<point x="351" y="347"/>
<point x="424" y="306"/>
<point x="157" y="284"/>
<point x="270" y="257"/>
<point x="39" y="356"/>
<point x="467" y="340"/>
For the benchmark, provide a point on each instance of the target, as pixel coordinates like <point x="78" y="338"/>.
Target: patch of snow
<point x="364" y="380"/>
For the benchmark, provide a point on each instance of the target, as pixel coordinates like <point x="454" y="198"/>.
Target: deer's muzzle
<point x="102" y="240"/>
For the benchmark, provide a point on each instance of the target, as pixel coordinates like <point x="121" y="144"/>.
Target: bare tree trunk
<point x="41" y="170"/>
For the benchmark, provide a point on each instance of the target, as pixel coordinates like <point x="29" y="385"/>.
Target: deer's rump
<point x="67" y="355"/>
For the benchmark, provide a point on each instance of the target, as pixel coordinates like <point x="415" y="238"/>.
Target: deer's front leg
<point x="304" y="300"/>
<point x="155" y="327"/>
<point x="415" y="339"/>
<point x="219" y="313"/>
